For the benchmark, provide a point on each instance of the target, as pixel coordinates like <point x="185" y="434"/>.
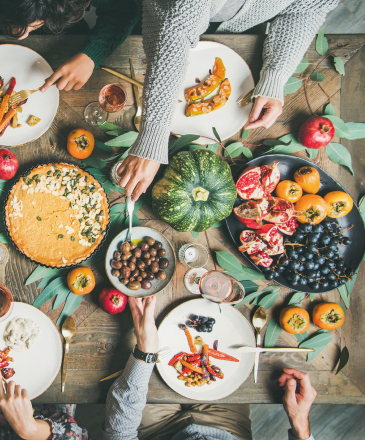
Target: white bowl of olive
<point x="142" y="267"/>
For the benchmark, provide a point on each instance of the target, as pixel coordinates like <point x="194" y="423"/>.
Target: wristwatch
<point x="149" y="358"/>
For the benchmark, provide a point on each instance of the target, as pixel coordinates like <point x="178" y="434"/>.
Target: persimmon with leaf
<point x="288" y="190"/>
<point x="294" y="320"/>
<point x="308" y="178"/>
<point x="80" y="143"/>
<point x="312" y="208"/>
<point x="81" y="280"/>
<point x="339" y="203"/>
<point x="328" y="316"/>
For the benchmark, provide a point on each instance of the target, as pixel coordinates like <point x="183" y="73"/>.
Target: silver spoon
<point x="258" y="321"/>
<point x="68" y="330"/>
<point x="130" y="209"/>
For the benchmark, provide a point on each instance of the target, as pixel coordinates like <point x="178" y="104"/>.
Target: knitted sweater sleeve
<point x="290" y="34"/>
<point x="170" y="29"/>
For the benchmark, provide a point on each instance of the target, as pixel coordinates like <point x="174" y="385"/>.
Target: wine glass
<point x="219" y="287"/>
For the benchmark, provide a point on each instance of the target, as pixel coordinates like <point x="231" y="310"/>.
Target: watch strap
<point x="149" y="358"/>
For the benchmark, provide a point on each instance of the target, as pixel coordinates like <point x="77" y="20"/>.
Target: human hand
<point x="143" y="314"/>
<point x="136" y="174"/>
<point x="17" y="409"/>
<point x="297" y="401"/>
<point x="73" y="74"/>
<point x="258" y="118"/>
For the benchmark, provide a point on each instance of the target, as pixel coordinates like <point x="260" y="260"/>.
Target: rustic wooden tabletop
<point x="103" y="343"/>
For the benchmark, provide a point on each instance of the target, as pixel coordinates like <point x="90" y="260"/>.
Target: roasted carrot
<point x="3" y="105"/>
<point x="193" y="349"/>
<point x="219" y="355"/>
<point x="7" y="118"/>
<point x="5" y="100"/>
<point x="192" y="367"/>
<point x="205" y="348"/>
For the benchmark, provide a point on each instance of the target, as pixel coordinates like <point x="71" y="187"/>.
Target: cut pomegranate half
<point x="251" y="243"/>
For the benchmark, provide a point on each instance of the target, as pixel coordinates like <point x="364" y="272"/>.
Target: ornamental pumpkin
<point x="195" y="191"/>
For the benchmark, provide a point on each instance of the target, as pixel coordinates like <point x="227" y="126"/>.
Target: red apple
<point x="316" y="132"/>
<point x="8" y="164"/>
<point x="112" y="301"/>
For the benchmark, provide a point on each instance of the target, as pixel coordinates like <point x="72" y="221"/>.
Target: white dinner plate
<point x="36" y="368"/>
<point x="231" y="328"/>
<point x="228" y="119"/>
<point x="30" y="70"/>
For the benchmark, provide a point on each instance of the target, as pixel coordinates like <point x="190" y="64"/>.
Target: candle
<point x="190" y="255"/>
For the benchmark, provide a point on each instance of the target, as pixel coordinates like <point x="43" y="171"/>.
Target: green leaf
<point x="124" y="140"/>
<point x="249" y="286"/>
<point x="317" y="76"/>
<point x="344" y="358"/>
<point x="292" y="85"/>
<point x="296" y="298"/>
<point x="245" y="134"/>
<point x="195" y="234"/>
<point x="42" y="272"/>
<point x="50" y="291"/>
<point x="318" y="341"/>
<point x="218" y="224"/>
<point x="107" y="126"/>
<point x="312" y="296"/>
<point x="344" y="295"/>
<point x="339" y="154"/>
<point x="117" y="132"/>
<point x="233" y="150"/>
<point x="302" y="336"/>
<point x="216" y="134"/>
<point x="101" y="175"/>
<point x="4" y="238"/>
<point x="247" y="153"/>
<point x="321" y="43"/>
<point x="272" y="333"/>
<point x="94" y="162"/>
<point x="356" y="130"/>
<point x="350" y="284"/>
<point x="268" y="300"/>
<point x="109" y="187"/>
<point x="245" y="273"/>
<point x="312" y="153"/>
<point x="196" y="147"/>
<point x="213" y="147"/>
<point x="288" y="144"/>
<point x="249" y="297"/>
<point x="341" y="129"/>
<point x="72" y="302"/>
<point x="182" y="141"/>
<point x="117" y="214"/>
<point x="228" y="262"/>
<point x="329" y="110"/>
<point x="339" y="65"/>
<point x="302" y="66"/>
<point x="273" y="142"/>
<point x="45" y="281"/>
<point x="102" y="148"/>
<point x="60" y="298"/>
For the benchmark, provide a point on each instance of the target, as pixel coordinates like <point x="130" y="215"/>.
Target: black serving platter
<point x="352" y="253"/>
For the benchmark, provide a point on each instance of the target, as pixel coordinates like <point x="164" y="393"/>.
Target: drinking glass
<point x="193" y="255"/>
<point x="219" y="287"/>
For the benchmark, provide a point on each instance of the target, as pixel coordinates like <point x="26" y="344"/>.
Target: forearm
<point x="40" y="430"/>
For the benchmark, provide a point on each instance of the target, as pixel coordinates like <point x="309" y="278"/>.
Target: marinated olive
<point x="117" y="256"/>
<point x="125" y="263"/>
<point x="133" y="246"/>
<point x="141" y="264"/>
<point x="153" y="252"/>
<point x="145" y="247"/>
<point x="137" y="253"/>
<point x="135" y="273"/>
<point x="133" y="260"/>
<point x="153" y="258"/>
<point x="161" y="253"/>
<point x="125" y="272"/>
<point x="131" y="279"/>
<point x="157" y="245"/>
<point x="160" y="275"/>
<point x="146" y="255"/>
<point x="164" y="263"/>
<point x="158" y="259"/>
<point x="134" y="285"/>
<point x="155" y="267"/>
<point x="148" y="262"/>
<point x="150" y="241"/>
<point x="143" y="274"/>
<point x="126" y="256"/>
<point x="125" y="247"/>
<point x="124" y="281"/>
<point x="146" y="284"/>
<point x="150" y="276"/>
<point x="139" y="278"/>
<point x="116" y="264"/>
<point x="131" y="266"/>
<point x="115" y="273"/>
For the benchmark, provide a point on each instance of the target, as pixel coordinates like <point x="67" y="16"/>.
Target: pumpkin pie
<point x="57" y="214"/>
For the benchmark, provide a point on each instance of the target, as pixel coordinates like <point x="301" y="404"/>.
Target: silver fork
<point x="130" y="209"/>
<point x="164" y="353"/>
<point x="246" y="99"/>
<point x="20" y="96"/>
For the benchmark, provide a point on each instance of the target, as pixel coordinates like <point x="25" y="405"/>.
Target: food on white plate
<point x="21" y="333"/>
<point x="8" y="113"/>
<point x="205" y="107"/>
<point x="33" y="120"/>
<point x="5" y="360"/>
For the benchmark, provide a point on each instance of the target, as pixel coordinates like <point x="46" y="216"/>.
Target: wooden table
<point x="103" y="343"/>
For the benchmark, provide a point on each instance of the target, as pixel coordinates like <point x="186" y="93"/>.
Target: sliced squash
<point x="204" y="107"/>
<point x="208" y="85"/>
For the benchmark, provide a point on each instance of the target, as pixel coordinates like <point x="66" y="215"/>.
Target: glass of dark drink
<point x="219" y="287"/>
<point x="6" y="302"/>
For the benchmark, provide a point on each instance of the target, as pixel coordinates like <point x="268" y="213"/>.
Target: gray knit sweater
<point x="172" y="27"/>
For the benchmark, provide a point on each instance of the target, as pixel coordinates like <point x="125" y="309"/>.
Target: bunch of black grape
<point x="312" y="257"/>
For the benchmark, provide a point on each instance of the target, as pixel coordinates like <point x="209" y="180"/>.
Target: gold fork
<point x="20" y="96"/>
<point x="246" y="99"/>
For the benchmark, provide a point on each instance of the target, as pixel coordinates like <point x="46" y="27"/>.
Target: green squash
<point x="195" y="191"/>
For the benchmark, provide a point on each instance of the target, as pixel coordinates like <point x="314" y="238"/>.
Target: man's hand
<point x="143" y="314"/>
<point x="260" y="118"/>
<point x="136" y="174"/>
<point x="18" y="411"/>
<point x="73" y="74"/>
<point x="297" y="401"/>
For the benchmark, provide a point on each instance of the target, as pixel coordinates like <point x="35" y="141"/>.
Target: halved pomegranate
<point x="270" y="235"/>
<point x="250" y="212"/>
<point x="270" y="176"/>
<point x="289" y="227"/>
<point x="275" y="250"/>
<point x="251" y="243"/>
<point x="249" y="184"/>
<point x="280" y="211"/>
<point x="262" y="259"/>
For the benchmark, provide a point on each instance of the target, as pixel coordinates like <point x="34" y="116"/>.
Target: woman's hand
<point x="73" y="74"/>
<point x="260" y="118"/>
<point x="136" y="174"/>
<point x="17" y="409"/>
<point x="143" y="314"/>
<point x="297" y="401"/>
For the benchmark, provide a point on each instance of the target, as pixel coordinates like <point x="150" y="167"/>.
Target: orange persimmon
<point x="81" y="280"/>
<point x="308" y="178"/>
<point x="80" y="143"/>
<point x="313" y="209"/>
<point x="328" y="316"/>
<point x="294" y="320"/>
<point x="288" y="190"/>
<point x="339" y="204"/>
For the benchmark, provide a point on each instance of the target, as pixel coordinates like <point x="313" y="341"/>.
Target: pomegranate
<point x="269" y="234"/>
<point x="8" y="164"/>
<point x="316" y="132"/>
<point x="112" y="301"/>
<point x="280" y="211"/>
<point x="250" y="212"/>
<point x="275" y="250"/>
<point x="249" y="184"/>
<point x="251" y="243"/>
<point x="289" y="227"/>
<point x="270" y="176"/>
<point x="262" y="259"/>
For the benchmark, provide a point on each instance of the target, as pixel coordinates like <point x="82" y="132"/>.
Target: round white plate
<point x="231" y="328"/>
<point x="228" y="119"/>
<point x="30" y="70"/>
<point x="36" y="368"/>
<point x="141" y="232"/>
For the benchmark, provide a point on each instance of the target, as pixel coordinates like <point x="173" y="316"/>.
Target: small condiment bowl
<point x="6" y="303"/>
<point x="104" y="103"/>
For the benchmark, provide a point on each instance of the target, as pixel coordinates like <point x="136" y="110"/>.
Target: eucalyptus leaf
<point x="195" y="234"/>
<point x="50" y="291"/>
<point x="181" y="142"/>
<point x="296" y="298"/>
<point x="233" y="150"/>
<point x="312" y="152"/>
<point x="344" y="358"/>
<point x="312" y="296"/>
<point x="317" y="76"/>
<point x="339" y="154"/>
<point x="341" y="129"/>
<point x="318" y="341"/>
<point x="42" y="272"/>
<point x="124" y="140"/>
<point x="109" y="187"/>
<point x="213" y="147"/>
<point x="249" y="286"/>
<point x="218" y="224"/>
<point x="245" y="134"/>
<point x="117" y="132"/>
<point x="216" y="134"/>
<point x="268" y="300"/>
<point x="329" y="110"/>
<point x="196" y="147"/>
<point x="45" y="281"/>
<point x="356" y="130"/>
<point x="249" y="297"/>
<point x="60" y="298"/>
<point x="288" y="144"/>
<point x="302" y="336"/>
<point x="344" y="295"/>
<point x="302" y="66"/>
<point x="117" y="214"/>
<point x="247" y="275"/>
<point x="247" y="152"/>
<point x="350" y="284"/>
<point x="102" y="148"/>
<point x="107" y="126"/>
<point x="101" y="175"/>
<point x="94" y="162"/>
<point x="273" y="142"/>
<point x="321" y="43"/>
<point x="72" y="302"/>
<point x="4" y="238"/>
<point x="272" y="333"/>
<point x="339" y="65"/>
<point x="228" y="262"/>
<point x="292" y="85"/>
